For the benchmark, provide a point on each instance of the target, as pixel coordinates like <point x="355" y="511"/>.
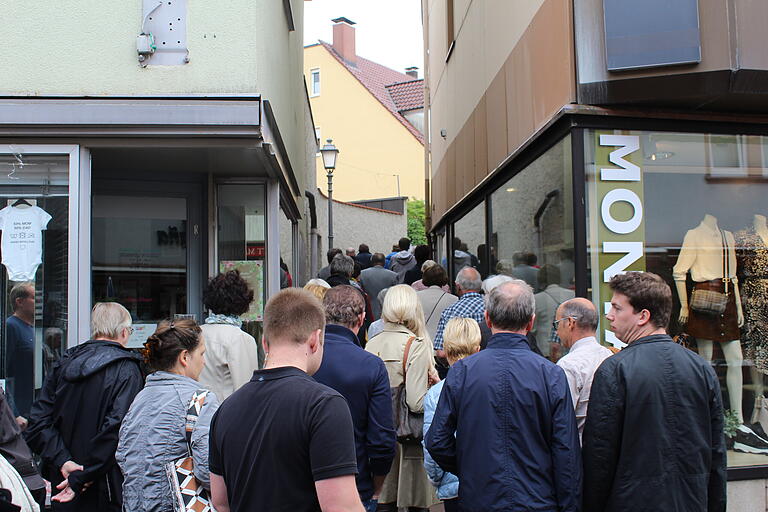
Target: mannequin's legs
<point x="733" y="379"/>
<point x="757" y="381"/>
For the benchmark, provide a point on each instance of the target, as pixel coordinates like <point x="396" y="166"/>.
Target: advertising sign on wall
<point x="620" y="224"/>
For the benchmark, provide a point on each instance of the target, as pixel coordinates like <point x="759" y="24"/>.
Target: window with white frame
<point x="314" y="82"/>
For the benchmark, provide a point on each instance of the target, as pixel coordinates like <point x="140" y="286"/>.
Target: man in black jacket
<point x="75" y="423"/>
<point x="653" y="438"/>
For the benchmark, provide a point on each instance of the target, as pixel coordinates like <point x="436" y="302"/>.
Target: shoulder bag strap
<point x="193" y="412"/>
<point x="434" y="308"/>
<point x="726" y="263"/>
<point x="405" y="355"/>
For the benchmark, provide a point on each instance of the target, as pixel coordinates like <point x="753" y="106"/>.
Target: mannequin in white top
<point x="705" y="269"/>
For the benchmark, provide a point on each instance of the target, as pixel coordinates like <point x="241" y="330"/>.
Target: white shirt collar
<point x="583" y="342"/>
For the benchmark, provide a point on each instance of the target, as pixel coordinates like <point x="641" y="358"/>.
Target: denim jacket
<point x="447" y="483"/>
<point x="152" y="434"/>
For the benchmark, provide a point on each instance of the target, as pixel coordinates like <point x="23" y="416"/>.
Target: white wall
<point x="354" y="225"/>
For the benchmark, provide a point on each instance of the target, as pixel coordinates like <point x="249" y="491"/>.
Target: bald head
<point x="510" y="306"/>
<point x="469" y="280"/>
<point x="577" y="318"/>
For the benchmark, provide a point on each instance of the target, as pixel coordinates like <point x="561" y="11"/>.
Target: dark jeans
<point x="451" y="505"/>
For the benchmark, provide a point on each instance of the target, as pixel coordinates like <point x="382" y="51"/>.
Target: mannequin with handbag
<point x="713" y="312"/>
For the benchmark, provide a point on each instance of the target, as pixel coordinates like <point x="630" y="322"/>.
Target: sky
<point x="387" y="31"/>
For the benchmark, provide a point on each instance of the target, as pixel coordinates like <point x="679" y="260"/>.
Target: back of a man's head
<point x="343" y="265"/>
<point x="108" y="319"/>
<point x="549" y="274"/>
<point x="583" y="312"/>
<point x="645" y="290"/>
<point x="363" y="248"/>
<point x="343" y="306"/>
<point x="332" y="254"/>
<point x="422" y="253"/>
<point x="404" y="243"/>
<point x="378" y="259"/>
<point x="510" y="306"/>
<point x="469" y="280"/>
<point x="350" y="252"/>
<point x="292" y="316"/>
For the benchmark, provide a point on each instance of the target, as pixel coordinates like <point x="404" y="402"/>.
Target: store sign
<point x="621" y="230"/>
<point x="255" y="251"/>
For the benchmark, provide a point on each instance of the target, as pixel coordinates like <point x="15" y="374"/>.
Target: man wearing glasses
<point x="576" y="325"/>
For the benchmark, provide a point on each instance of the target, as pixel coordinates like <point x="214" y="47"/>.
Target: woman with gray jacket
<point x="153" y="431"/>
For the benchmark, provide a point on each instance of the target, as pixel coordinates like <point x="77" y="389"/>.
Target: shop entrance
<point x="146" y="250"/>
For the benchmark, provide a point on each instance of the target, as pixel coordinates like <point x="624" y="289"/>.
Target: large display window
<point x="692" y="208"/>
<point x="532" y="236"/>
<point x="469" y="242"/>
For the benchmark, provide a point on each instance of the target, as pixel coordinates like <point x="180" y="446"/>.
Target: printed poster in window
<point x="253" y="273"/>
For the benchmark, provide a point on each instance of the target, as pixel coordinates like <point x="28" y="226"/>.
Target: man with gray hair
<point x="576" y="325"/>
<point x="505" y="423"/>
<point x="75" y="422"/>
<point x="470" y="304"/>
<point x="341" y="267"/>
<point x="362" y="379"/>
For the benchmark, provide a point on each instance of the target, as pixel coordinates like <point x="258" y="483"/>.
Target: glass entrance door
<point x="143" y="255"/>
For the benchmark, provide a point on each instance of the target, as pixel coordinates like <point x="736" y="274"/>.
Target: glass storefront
<point x="691" y="207"/>
<point x="532" y="235"/>
<point x="34" y="219"/>
<point x="469" y="242"/>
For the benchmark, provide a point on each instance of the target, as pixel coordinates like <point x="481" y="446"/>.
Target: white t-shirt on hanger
<point x="22" y="240"/>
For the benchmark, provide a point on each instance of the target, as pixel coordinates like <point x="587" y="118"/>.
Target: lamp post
<point x="329" y="152"/>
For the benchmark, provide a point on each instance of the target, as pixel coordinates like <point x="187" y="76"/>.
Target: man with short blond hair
<point x="283" y="441"/>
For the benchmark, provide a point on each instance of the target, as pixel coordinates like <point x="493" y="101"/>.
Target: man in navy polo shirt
<point x="362" y="379"/>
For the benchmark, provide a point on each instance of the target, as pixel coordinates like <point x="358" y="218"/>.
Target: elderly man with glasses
<point x="576" y="325"/>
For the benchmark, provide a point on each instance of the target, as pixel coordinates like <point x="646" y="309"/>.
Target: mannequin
<point x="753" y="261"/>
<point x="702" y="255"/>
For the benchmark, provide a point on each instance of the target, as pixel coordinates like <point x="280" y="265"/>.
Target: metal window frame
<point x="79" y="227"/>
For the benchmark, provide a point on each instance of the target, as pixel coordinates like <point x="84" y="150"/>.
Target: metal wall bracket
<point x="164" y="23"/>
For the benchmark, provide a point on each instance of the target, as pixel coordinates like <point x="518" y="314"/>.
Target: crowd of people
<point x="381" y="391"/>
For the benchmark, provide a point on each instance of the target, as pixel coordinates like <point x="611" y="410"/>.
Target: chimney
<point x="412" y="71"/>
<point x="344" y="39"/>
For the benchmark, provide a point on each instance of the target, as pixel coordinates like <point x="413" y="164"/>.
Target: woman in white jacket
<point x="232" y="354"/>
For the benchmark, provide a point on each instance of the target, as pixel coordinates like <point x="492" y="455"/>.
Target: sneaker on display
<point x="757" y="428"/>
<point x="746" y="441"/>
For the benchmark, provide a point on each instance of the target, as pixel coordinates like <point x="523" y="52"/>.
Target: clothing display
<point x="720" y="328"/>
<point x="22" y="240"/>
<point x="752" y="255"/>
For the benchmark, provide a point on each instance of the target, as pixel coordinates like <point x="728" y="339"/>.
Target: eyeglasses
<point x="557" y="322"/>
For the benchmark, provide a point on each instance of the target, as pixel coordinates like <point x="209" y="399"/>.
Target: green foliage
<point x="731" y="423"/>
<point x="416" y="231"/>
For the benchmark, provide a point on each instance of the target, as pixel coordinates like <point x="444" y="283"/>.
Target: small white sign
<point x="140" y="334"/>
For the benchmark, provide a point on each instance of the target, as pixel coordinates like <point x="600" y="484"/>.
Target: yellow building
<point x="374" y="115"/>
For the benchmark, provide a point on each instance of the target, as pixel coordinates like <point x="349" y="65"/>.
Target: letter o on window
<point x="626" y="196"/>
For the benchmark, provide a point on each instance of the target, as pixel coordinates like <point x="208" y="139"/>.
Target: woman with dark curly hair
<point x="232" y="353"/>
<point x="153" y="432"/>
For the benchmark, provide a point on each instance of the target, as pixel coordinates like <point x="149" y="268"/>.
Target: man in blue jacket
<point x="362" y="379"/>
<point x="517" y="444"/>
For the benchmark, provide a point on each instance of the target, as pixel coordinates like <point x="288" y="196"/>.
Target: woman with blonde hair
<point x="461" y="339"/>
<point x="406" y="485"/>
<point x="317" y="287"/>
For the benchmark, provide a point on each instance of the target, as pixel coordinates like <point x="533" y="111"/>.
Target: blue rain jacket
<point x="516" y="445"/>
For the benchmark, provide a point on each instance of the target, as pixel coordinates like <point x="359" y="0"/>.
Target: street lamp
<point x="330" y="152"/>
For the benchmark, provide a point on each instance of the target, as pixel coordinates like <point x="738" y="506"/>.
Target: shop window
<point x="469" y="242"/>
<point x="692" y="209"/>
<point x="242" y="245"/>
<point x="532" y="236"/>
<point x="34" y="218"/>
<point x="314" y="80"/>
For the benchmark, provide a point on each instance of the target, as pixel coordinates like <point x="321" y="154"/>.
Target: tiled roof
<point x="376" y="78"/>
<point x="407" y="95"/>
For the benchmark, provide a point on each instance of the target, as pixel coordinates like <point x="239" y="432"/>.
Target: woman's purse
<point x="408" y="424"/>
<point x="188" y="493"/>
<point x="712" y="302"/>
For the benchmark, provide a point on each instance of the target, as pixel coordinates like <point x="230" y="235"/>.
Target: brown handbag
<point x="408" y="424"/>
<point x="712" y="302"/>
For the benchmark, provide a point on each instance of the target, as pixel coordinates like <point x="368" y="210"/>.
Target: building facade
<point x="165" y="143"/>
<point x="374" y="115"/>
<point x="574" y="140"/>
